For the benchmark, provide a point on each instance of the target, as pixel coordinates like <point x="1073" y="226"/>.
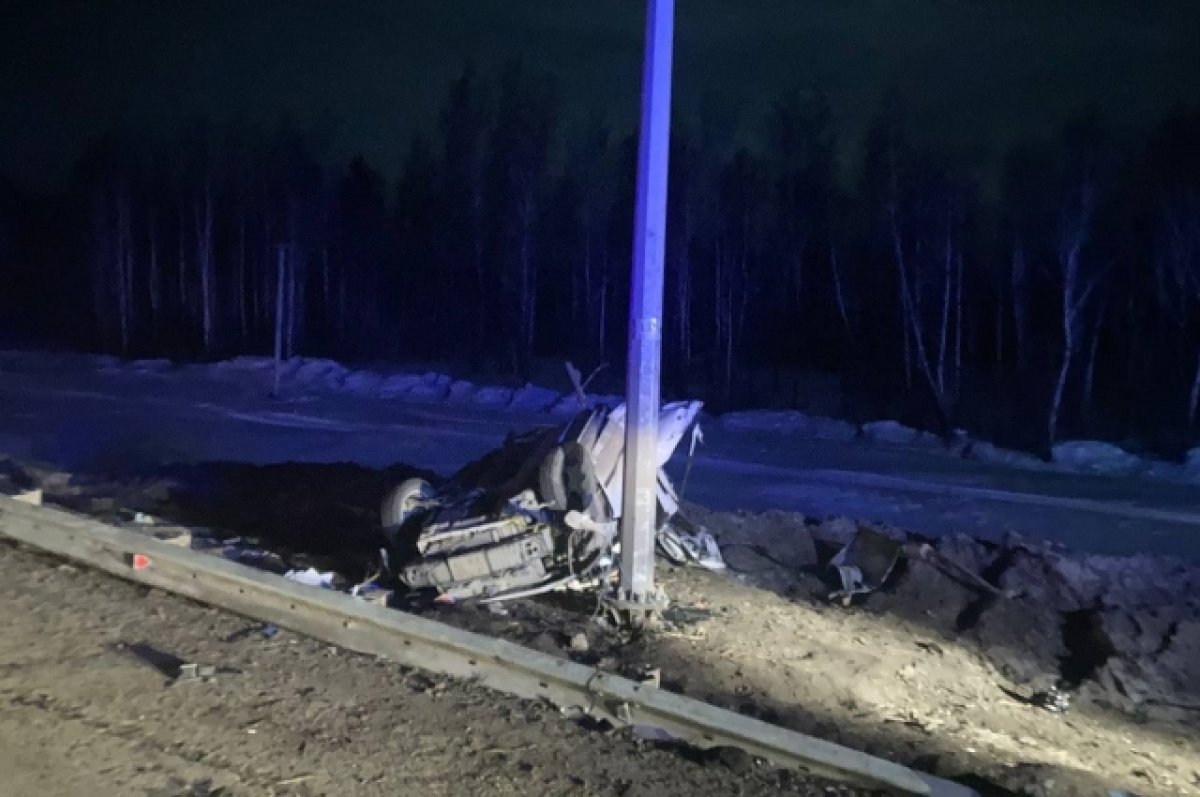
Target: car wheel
<point x="401" y="502"/>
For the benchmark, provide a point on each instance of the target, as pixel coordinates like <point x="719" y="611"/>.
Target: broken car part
<point x="864" y="563"/>
<point x="538" y="513"/>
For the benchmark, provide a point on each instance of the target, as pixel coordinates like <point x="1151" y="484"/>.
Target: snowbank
<point x="1095" y="456"/>
<point x="367" y="384"/>
<point x="896" y="433"/>
<point x="494" y="396"/>
<point x="307" y="375"/>
<point x="151" y="366"/>
<point x="982" y="451"/>
<point x="532" y="397"/>
<point x="461" y="391"/>
<point x="570" y="404"/>
<point x="243" y="364"/>
<point x="788" y="422"/>
<point x="398" y="385"/>
<point x="317" y="373"/>
<point x="432" y="387"/>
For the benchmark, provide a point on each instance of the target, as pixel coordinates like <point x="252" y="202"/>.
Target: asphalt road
<point x="66" y="411"/>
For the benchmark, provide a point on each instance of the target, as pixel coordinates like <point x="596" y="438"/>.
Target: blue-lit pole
<point x="640" y="493"/>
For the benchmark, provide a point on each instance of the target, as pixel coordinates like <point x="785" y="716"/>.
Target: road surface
<point x="72" y="412"/>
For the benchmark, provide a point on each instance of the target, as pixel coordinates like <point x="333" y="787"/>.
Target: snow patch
<point x="494" y="396"/>
<point x="532" y="397"/>
<point x="569" y="404"/>
<point x="788" y="422"/>
<point x="431" y="387"/>
<point x="291" y="420"/>
<point x="981" y="451"/>
<point x="363" y="383"/>
<point x="151" y="366"/>
<point x="890" y="432"/>
<point x="398" y="385"/>
<point x="244" y="363"/>
<point x="461" y="392"/>
<point x="1095" y="456"/>
<point x="1191" y="466"/>
<point x="108" y="364"/>
<point x="318" y="373"/>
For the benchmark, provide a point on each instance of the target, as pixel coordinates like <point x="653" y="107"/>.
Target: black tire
<point x="400" y="503"/>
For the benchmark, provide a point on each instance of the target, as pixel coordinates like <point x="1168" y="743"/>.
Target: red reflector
<point x="140" y="561"/>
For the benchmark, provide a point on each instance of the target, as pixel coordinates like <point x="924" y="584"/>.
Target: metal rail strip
<point x="417" y="642"/>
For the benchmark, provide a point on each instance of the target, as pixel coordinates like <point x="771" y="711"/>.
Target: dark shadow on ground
<point x="324" y="513"/>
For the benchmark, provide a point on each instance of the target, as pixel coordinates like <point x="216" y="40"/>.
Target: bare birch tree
<point x="1077" y="287"/>
<point x="1177" y="273"/>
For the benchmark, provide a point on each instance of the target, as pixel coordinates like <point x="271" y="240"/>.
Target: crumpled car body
<point x="536" y="514"/>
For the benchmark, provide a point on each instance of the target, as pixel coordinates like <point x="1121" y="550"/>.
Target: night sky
<point x="973" y="74"/>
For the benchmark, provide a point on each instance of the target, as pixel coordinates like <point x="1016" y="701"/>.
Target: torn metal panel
<point x="865" y="563"/>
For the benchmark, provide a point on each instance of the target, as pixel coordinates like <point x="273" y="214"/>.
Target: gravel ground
<point x="88" y="710"/>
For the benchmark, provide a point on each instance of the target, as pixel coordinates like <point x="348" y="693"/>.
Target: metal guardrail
<point x="418" y="642"/>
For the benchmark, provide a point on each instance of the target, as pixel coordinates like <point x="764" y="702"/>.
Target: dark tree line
<point x="1064" y="301"/>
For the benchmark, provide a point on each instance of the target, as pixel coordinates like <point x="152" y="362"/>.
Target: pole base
<point x="636" y="611"/>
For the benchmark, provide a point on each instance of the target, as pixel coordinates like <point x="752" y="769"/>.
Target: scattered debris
<point x="371" y="590"/>
<point x="294" y="780"/>
<point x="579" y="643"/>
<point x="168" y="664"/>
<point x="375" y="594"/>
<point x="864" y="564"/>
<point x="175" y="536"/>
<point x="311" y="577"/>
<point x="579" y="383"/>
<point x="191" y="671"/>
<point x="32" y="497"/>
<point x="248" y="552"/>
<point x="1052" y="700"/>
<point x="650" y="676"/>
<point x="652" y="733"/>
<point x="682" y="547"/>
<point x="960" y="572"/>
<point x="678" y="615"/>
<point x="424" y="684"/>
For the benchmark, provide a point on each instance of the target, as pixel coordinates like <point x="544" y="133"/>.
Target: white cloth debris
<point x="310" y="577"/>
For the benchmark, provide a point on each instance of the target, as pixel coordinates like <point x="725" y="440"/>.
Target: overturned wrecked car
<point x="537" y="514"/>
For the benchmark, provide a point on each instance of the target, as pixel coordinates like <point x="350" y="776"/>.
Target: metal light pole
<point x="639" y="520"/>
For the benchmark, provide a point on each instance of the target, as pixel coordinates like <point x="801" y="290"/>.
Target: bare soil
<point x="91" y="707"/>
<point x="925" y="672"/>
<point x="873" y="681"/>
